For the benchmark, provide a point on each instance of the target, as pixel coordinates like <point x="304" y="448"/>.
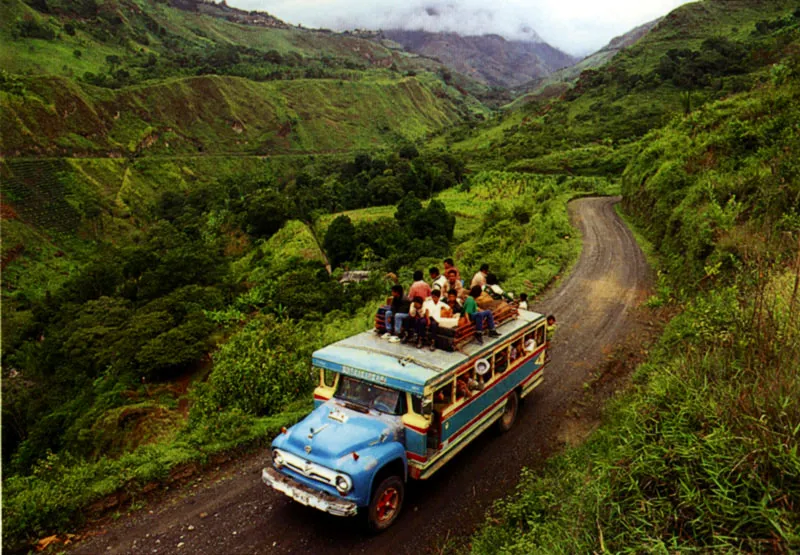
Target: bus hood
<point x="332" y="431"/>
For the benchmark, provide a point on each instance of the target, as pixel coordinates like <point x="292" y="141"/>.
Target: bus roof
<point x="404" y="367"/>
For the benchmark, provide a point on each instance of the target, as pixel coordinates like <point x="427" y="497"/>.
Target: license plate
<point x="300" y="497"/>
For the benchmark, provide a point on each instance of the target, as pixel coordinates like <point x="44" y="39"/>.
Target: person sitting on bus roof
<point x="480" y="276"/>
<point x="440" y="311"/>
<point x="438" y="281"/>
<point x="396" y="314"/>
<point x="454" y="304"/>
<point x="450" y="265"/>
<point x="434" y="305"/>
<point x="419" y="288"/>
<point x="423" y="323"/>
<point x="480" y="317"/>
<point x="493" y="288"/>
<point x="453" y="283"/>
<point x="523" y="301"/>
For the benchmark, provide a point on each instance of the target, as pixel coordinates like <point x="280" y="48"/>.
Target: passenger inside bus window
<point x="462" y="386"/>
<point x="516" y="350"/>
<point x="501" y="361"/>
<point x="530" y="343"/>
<point x="444" y="396"/>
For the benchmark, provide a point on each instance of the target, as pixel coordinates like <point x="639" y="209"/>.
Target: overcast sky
<point x="576" y="26"/>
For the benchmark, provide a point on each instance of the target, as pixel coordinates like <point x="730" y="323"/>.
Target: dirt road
<point x="235" y="513"/>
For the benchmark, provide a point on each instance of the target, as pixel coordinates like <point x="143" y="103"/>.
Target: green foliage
<point x="697" y="183"/>
<point x="340" y="240"/>
<point x="701" y="456"/>
<point x="266" y="212"/>
<point x="34" y="29"/>
<point x="257" y="371"/>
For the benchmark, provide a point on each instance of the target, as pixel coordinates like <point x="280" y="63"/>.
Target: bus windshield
<point x="367" y="395"/>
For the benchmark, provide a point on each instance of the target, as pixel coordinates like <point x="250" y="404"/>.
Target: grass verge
<point x="701" y="455"/>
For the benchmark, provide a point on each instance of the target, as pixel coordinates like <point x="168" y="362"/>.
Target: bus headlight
<point x="343" y="484"/>
<point x="277" y="458"/>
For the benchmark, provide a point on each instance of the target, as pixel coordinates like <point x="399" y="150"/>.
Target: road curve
<point x="236" y="513"/>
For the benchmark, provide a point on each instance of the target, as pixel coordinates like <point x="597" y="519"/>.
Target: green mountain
<point x="112" y="78"/>
<point x="559" y="81"/>
<point x="699" y="53"/>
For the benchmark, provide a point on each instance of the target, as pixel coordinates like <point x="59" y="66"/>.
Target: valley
<point x="183" y="185"/>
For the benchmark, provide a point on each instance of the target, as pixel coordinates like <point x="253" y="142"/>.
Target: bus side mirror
<point x="427" y="407"/>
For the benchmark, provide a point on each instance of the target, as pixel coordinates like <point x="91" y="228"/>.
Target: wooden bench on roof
<point x="502" y="312"/>
<point x="465" y="332"/>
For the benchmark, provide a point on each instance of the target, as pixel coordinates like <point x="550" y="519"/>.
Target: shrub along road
<point x="233" y="512"/>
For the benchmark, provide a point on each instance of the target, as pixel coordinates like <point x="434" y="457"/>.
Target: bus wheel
<point x="387" y="500"/>
<point x="509" y="413"/>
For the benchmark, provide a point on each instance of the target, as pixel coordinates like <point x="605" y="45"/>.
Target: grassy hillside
<point x="41" y="37"/>
<point x="215" y="114"/>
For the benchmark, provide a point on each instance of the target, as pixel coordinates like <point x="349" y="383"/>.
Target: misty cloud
<point x="575" y="26"/>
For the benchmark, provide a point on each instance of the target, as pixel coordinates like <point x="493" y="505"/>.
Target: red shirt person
<point x="419" y="288"/>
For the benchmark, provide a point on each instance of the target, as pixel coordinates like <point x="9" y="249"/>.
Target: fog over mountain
<point x="575" y="26"/>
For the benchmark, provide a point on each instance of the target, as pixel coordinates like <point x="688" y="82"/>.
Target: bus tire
<point x="509" y="416"/>
<point x="386" y="503"/>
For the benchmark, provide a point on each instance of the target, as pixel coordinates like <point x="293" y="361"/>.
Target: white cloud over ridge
<point x="575" y="26"/>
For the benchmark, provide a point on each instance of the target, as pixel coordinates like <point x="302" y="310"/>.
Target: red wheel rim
<point x="387" y="504"/>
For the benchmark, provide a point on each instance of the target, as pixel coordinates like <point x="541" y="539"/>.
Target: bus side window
<point x="463" y="384"/>
<point x="539" y="335"/>
<point x="328" y="378"/>
<point x="529" y="343"/>
<point x="501" y="360"/>
<point x="444" y="397"/>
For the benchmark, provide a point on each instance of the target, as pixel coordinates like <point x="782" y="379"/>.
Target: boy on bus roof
<point x="493" y="288"/>
<point x="480" y="317"/>
<point x="396" y="315"/>
<point x="423" y="322"/>
<point x="454" y="284"/>
<point x="453" y="303"/>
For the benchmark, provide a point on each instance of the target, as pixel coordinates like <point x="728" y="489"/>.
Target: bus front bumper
<point x="308" y="496"/>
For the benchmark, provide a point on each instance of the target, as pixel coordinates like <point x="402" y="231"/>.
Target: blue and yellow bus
<point x="387" y="412"/>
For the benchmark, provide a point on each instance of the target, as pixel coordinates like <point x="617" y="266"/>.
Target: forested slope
<point x="166" y="182"/>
